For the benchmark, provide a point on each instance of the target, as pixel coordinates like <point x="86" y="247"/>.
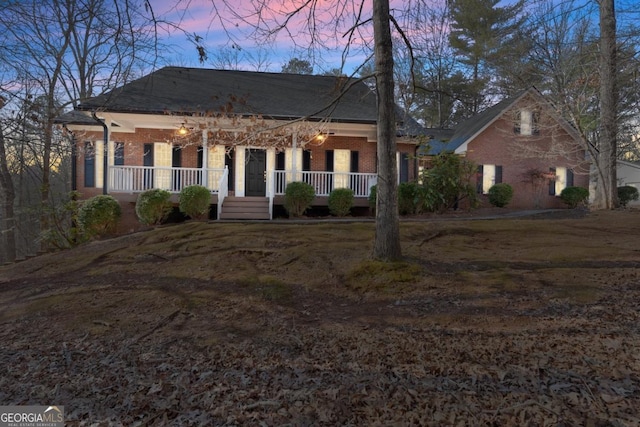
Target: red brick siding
<point x="366" y="150"/>
<point x="497" y="146"/>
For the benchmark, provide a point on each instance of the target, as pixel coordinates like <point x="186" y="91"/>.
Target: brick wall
<point x="499" y="145"/>
<point x="366" y="157"/>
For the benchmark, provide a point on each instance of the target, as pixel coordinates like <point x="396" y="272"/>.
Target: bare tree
<point x="387" y="241"/>
<point x="574" y="66"/>
<point x="64" y="51"/>
<point x="8" y="228"/>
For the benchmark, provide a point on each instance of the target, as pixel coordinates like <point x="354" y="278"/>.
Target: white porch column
<point x="293" y="158"/>
<point x="215" y="161"/>
<point x="239" y="169"/>
<point x="205" y="158"/>
<point x="271" y="165"/>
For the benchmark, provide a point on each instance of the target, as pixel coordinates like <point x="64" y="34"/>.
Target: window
<point x="355" y="182"/>
<point x="89" y="164"/>
<point x="118" y="154"/>
<point x="527" y="123"/>
<point x="328" y="166"/>
<point x="487" y="176"/>
<point x="403" y="167"/>
<point x="147" y="161"/>
<point x="200" y="157"/>
<point x="306" y="160"/>
<point x="328" y="161"/>
<point x="176" y="162"/>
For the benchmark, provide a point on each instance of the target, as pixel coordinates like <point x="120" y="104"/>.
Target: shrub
<point x="446" y="182"/>
<point x="298" y="196"/>
<point x="574" y="196"/>
<point x="99" y="216"/>
<point x="341" y="201"/>
<point x="500" y="195"/>
<point x="627" y="194"/>
<point x="407" y="198"/>
<point x="153" y="206"/>
<point x="194" y="201"/>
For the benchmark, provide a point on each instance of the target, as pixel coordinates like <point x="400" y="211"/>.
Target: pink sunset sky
<point x="224" y="35"/>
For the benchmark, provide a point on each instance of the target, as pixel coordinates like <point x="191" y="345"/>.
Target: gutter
<point x="105" y="137"/>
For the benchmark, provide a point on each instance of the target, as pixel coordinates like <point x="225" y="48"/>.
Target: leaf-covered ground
<point x="523" y="322"/>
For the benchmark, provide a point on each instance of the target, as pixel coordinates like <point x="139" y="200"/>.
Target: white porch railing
<point x="325" y="182"/>
<point x="135" y="179"/>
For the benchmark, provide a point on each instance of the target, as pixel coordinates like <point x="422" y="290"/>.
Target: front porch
<point x="132" y="180"/>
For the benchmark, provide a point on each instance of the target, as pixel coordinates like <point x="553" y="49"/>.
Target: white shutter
<point x="341" y="168"/>
<point x="162" y="159"/>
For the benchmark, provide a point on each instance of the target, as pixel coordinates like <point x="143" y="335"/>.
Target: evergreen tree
<point x="483" y="34"/>
<point x="297" y="66"/>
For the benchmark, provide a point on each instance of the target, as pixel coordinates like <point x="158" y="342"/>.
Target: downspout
<point x="105" y="165"/>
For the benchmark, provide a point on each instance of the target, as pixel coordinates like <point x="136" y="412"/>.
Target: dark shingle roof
<point x="74" y="117"/>
<point x="177" y="90"/>
<point x="470" y="127"/>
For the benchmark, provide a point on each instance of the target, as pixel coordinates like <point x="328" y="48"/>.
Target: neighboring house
<point x="521" y="141"/>
<point x="244" y="135"/>
<point x="629" y="174"/>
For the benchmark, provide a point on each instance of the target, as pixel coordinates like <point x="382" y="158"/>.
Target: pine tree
<point x="481" y="34"/>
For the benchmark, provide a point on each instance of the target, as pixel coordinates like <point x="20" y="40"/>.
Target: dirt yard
<point x="503" y="322"/>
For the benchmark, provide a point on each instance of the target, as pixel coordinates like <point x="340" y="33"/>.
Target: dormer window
<point x="527" y="122"/>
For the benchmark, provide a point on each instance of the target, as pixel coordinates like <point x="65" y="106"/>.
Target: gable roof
<point x="472" y="127"/>
<point x="178" y="90"/>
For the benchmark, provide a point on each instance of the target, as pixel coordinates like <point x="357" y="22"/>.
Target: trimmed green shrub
<point x="574" y="196"/>
<point x="98" y="216"/>
<point x="194" y="201"/>
<point x="500" y="195"/>
<point x="407" y="197"/>
<point x="153" y="206"/>
<point x="340" y="201"/>
<point x="298" y="196"/>
<point x="627" y="194"/>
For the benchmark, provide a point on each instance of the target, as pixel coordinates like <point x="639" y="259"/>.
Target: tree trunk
<point x="8" y="228"/>
<point x="606" y="196"/>
<point x="387" y="239"/>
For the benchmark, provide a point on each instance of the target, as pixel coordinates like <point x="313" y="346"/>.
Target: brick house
<point x="244" y="135"/>
<point x="521" y="141"/>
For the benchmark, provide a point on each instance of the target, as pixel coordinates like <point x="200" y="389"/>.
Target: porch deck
<point x="131" y="180"/>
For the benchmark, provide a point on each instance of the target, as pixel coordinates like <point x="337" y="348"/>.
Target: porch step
<point x="245" y="208"/>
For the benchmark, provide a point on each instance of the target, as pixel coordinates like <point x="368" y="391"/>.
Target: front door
<point x="255" y="173"/>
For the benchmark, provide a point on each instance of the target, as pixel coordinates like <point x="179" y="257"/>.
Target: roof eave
<point x="241" y="115"/>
